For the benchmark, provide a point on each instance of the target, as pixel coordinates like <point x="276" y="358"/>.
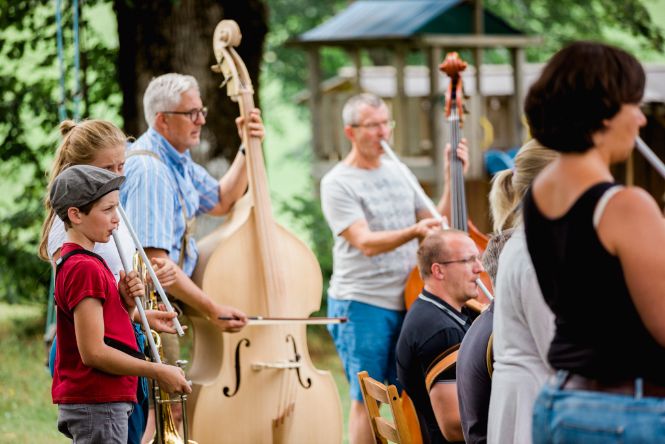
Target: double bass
<point x="453" y="66"/>
<point x="258" y="385"/>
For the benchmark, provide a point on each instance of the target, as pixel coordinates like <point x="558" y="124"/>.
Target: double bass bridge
<point x="291" y="364"/>
<point x="277" y="365"/>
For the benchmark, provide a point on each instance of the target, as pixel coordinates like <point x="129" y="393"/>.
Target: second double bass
<point x="258" y="385"/>
<point x="453" y="66"/>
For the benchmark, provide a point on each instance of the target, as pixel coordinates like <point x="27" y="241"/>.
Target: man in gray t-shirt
<point x="376" y="219"/>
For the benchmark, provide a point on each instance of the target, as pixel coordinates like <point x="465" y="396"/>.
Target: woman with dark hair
<point x="598" y="250"/>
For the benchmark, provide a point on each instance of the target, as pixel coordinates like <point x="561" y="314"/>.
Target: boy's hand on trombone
<point x="130" y="286"/>
<point x="171" y="379"/>
<point x="165" y="270"/>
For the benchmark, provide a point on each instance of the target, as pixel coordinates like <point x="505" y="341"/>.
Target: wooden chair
<point x="376" y="393"/>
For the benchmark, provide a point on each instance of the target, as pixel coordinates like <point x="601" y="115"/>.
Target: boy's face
<point x="98" y="225"/>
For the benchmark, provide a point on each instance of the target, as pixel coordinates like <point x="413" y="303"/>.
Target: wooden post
<point x="357" y="63"/>
<point x="477" y="107"/>
<point x="435" y="112"/>
<point x="400" y="102"/>
<point x="478" y="28"/>
<point x="630" y="170"/>
<point x="518" y="62"/>
<point x="315" y="101"/>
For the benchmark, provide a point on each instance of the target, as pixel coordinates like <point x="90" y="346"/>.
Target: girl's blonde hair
<point x="509" y="186"/>
<point x="81" y="142"/>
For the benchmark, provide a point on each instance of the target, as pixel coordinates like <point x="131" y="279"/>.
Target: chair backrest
<point x="376" y="393"/>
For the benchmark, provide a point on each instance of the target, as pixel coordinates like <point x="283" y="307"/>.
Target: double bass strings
<point x="458" y="196"/>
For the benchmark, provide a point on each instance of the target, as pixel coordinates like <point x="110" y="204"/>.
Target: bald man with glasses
<point x="449" y="264"/>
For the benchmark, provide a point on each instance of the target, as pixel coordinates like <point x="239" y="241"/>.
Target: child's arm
<point x="89" y="328"/>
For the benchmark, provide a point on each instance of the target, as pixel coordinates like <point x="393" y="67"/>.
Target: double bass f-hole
<point x="226" y="390"/>
<point x="296" y="359"/>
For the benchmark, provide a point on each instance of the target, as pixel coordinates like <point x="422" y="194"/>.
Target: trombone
<point x="165" y="431"/>
<point x="650" y="156"/>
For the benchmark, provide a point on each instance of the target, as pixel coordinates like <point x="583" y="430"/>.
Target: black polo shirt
<point x="431" y="326"/>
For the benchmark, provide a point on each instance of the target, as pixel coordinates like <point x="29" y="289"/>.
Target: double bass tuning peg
<point x="219" y="69"/>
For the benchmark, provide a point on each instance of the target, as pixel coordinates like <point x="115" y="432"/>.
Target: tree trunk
<point x="176" y="36"/>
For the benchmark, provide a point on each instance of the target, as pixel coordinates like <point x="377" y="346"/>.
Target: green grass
<point x="26" y="412"/>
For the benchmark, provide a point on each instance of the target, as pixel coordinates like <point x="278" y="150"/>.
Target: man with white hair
<point x="163" y="193"/>
<point x="165" y="189"/>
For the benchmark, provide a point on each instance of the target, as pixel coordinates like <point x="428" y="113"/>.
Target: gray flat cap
<point x="80" y="185"/>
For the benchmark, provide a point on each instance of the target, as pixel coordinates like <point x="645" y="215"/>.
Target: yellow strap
<point x="489" y="355"/>
<point x="445" y="361"/>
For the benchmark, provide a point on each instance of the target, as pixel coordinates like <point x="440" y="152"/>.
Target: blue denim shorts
<point x="366" y="341"/>
<point x="581" y="416"/>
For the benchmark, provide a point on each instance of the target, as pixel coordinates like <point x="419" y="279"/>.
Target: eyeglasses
<point x="468" y="260"/>
<point x="390" y="124"/>
<point x="193" y="114"/>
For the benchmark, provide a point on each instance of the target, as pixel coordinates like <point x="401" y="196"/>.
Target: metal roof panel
<point x="384" y="19"/>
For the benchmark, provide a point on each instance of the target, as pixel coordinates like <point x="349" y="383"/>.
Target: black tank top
<point x="599" y="333"/>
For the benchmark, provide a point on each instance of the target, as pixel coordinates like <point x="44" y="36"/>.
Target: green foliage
<point x="289" y="18"/>
<point x="28" y="137"/>
<point x="25" y="399"/>
<point x="306" y="210"/>
<point x="562" y="21"/>
<point x="557" y="21"/>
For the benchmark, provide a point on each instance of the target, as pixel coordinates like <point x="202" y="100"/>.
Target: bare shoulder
<point x="629" y="200"/>
<point x="631" y="210"/>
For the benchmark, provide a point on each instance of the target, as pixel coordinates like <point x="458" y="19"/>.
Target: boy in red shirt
<point x="97" y="362"/>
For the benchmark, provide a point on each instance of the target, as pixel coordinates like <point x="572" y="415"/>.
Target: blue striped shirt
<point x="150" y="195"/>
